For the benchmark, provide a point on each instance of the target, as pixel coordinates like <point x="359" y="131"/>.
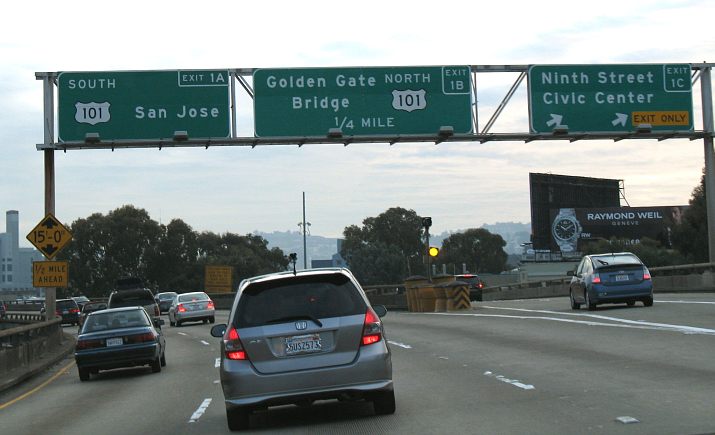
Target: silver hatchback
<point x="300" y="337"/>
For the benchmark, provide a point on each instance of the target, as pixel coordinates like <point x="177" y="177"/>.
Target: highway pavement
<point x="503" y="367"/>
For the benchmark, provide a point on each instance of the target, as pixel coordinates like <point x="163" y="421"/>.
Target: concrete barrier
<point x="29" y="349"/>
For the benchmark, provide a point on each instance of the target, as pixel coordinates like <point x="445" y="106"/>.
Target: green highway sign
<point x="122" y="105"/>
<point x="362" y="101"/>
<point x="610" y="98"/>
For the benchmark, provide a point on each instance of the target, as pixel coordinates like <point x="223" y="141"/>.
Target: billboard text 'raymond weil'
<point x="625" y="223"/>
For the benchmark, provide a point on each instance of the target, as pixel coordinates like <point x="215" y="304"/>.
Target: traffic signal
<point x="433" y="251"/>
<point x="426" y="222"/>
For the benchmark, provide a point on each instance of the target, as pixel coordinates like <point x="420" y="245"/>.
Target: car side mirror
<point x="570" y="273"/>
<point x="158" y="322"/>
<point x="380" y="310"/>
<point x="218" y="331"/>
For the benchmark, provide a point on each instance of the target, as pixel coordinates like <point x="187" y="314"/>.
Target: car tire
<point x="648" y="302"/>
<point x="238" y="417"/>
<point x="205" y="321"/>
<point x="83" y="373"/>
<point x="574" y="305"/>
<point x="156" y="365"/>
<point x="384" y="402"/>
<point x="178" y="323"/>
<point x="591" y="305"/>
<point x="163" y="359"/>
<point x="212" y="319"/>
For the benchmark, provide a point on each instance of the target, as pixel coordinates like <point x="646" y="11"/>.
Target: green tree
<point x="172" y="261"/>
<point x="126" y="242"/>
<point x="476" y="246"/>
<point x="691" y="236"/>
<point x="386" y="248"/>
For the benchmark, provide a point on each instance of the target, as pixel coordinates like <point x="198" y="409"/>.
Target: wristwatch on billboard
<point x="566" y="230"/>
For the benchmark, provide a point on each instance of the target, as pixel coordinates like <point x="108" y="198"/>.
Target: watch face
<point x="564" y="229"/>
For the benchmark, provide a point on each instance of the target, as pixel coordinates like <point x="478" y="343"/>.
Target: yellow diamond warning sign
<point x="49" y="236"/>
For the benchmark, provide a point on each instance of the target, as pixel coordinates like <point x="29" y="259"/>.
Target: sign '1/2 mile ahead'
<point x="610" y="98"/>
<point x="362" y="101"/>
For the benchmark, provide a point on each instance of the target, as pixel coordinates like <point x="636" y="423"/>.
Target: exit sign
<point x="362" y="101"/>
<point x="149" y="105"/>
<point x="610" y="98"/>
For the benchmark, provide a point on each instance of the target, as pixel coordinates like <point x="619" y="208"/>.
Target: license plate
<point x="65" y="312"/>
<point x="115" y="341"/>
<point x="303" y="344"/>
<point x="621" y="277"/>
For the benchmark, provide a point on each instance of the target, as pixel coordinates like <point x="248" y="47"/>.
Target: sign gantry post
<point x="707" y="98"/>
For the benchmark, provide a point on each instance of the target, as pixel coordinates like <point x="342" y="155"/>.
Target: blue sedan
<point x="119" y="337"/>
<point x="610" y="278"/>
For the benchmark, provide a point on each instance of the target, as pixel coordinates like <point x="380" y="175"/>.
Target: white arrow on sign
<point x="621" y="118"/>
<point x="555" y="120"/>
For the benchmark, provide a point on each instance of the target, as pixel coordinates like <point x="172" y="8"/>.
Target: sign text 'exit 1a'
<point x="610" y="98"/>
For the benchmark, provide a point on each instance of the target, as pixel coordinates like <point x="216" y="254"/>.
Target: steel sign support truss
<point x="700" y="72"/>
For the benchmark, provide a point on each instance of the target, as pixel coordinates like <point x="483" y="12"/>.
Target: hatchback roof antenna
<point x="293" y="258"/>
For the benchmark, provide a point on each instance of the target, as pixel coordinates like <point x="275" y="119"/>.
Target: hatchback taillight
<point x="596" y="279"/>
<point x="181" y="308"/>
<point x="74" y="310"/>
<point x="233" y="345"/>
<point x="372" y="328"/>
<point x="646" y="274"/>
<point x="210" y="305"/>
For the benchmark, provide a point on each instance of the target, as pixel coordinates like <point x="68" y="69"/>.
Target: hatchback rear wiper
<point x="290" y="318"/>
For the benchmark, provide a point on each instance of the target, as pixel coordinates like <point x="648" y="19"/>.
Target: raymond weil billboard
<point x="572" y="226"/>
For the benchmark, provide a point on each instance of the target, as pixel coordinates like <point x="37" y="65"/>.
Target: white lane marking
<point x="402" y="345"/>
<point x="684" y="302"/>
<point x="183" y="333"/>
<point x="218" y="362"/>
<point x="200" y="411"/>
<point x="514" y="382"/>
<point x="206" y="343"/>
<point x="627" y="420"/>
<point x="622" y="323"/>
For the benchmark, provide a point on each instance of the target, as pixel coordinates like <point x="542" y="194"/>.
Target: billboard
<point x="571" y="227"/>
<point x="550" y="191"/>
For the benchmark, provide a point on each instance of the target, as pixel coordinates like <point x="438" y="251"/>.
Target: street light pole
<point x="304" y="226"/>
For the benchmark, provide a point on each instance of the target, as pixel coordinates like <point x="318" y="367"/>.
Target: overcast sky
<point x="241" y="190"/>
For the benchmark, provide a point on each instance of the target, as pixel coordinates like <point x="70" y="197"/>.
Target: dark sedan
<point x="68" y="310"/>
<point x="164" y="300"/>
<point x="610" y="278"/>
<point x="119" y="337"/>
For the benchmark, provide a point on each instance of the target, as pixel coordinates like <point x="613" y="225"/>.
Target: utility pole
<point x="304" y="226"/>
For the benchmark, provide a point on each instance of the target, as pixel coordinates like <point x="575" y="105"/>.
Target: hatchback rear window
<point x="612" y="260"/>
<point x="316" y="296"/>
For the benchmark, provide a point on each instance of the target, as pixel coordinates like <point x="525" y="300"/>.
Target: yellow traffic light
<point x="433" y="252"/>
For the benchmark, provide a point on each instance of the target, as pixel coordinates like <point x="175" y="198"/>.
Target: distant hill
<point x="323" y="248"/>
<point x="317" y="247"/>
<point x="513" y="233"/>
